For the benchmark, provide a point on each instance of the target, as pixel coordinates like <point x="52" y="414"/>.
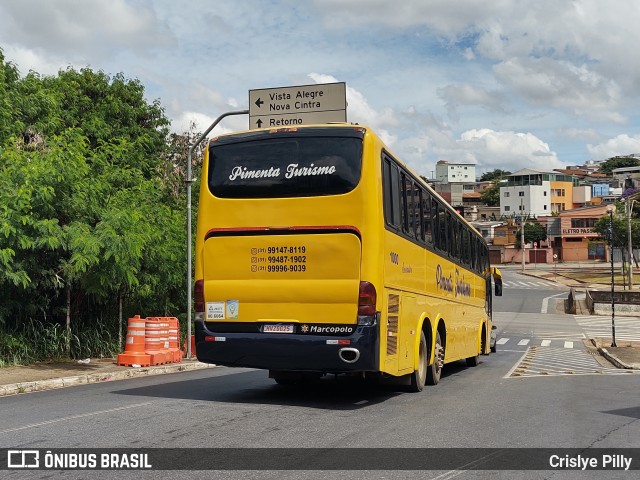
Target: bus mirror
<point x="497" y="278"/>
<point x="498" y="287"/>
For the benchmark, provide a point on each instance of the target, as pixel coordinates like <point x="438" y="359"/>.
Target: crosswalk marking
<point x="569" y="344"/>
<point x="561" y="361"/>
<point x="627" y="328"/>
<point x="521" y="284"/>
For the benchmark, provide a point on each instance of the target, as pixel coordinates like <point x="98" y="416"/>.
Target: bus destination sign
<point x="301" y="105"/>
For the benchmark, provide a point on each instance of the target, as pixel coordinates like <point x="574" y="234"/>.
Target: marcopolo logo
<point x="328" y="329"/>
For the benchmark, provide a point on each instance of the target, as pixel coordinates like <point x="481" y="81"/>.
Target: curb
<point x="42" y="385"/>
<point x="616" y="361"/>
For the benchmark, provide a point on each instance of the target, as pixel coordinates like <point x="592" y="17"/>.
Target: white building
<point x="539" y="193"/>
<point x="455" y="172"/>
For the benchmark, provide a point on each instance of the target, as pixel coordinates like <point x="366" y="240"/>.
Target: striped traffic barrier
<point x="174" y="339"/>
<point x="134" y="348"/>
<point x="154" y="345"/>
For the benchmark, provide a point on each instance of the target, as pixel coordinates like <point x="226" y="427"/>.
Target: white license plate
<point x="277" y="329"/>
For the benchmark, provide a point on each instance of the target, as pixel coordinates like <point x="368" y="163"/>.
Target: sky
<point x="502" y="84"/>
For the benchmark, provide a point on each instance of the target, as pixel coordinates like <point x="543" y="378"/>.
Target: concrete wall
<point x="626" y="303"/>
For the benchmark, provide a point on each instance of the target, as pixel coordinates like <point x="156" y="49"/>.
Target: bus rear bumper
<point x="357" y="352"/>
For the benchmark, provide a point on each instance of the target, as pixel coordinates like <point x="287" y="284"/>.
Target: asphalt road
<point x="524" y="396"/>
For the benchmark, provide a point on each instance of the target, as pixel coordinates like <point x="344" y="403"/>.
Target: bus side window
<point x="419" y="214"/>
<point x="393" y="191"/>
<point x="387" y="191"/>
<point x="407" y="203"/>
<point x="453" y="235"/>
<point x="465" y="254"/>
<point x="426" y="219"/>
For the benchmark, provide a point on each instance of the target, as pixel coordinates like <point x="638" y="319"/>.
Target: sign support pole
<point x="189" y="181"/>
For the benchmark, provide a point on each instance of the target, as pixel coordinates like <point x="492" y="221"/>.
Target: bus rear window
<point x="288" y="166"/>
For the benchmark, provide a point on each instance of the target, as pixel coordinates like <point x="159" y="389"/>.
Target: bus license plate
<point x="277" y="329"/>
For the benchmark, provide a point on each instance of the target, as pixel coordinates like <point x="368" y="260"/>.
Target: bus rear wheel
<point x="419" y="376"/>
<point x="434" y="371"/>
<point x="475" y="361"/>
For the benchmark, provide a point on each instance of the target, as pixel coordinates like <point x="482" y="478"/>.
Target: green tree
<point x="493" y="175"/>
<point x="90" y="225"/>
<point x="534" y="231"/>
<point x="618" y="162"/>
<point x="620" y="230"/>
<point x="9" y="76"/>
<point x="491" y="195"/>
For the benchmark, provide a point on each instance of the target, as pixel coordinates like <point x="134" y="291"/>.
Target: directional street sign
<point x="291" y="106"/>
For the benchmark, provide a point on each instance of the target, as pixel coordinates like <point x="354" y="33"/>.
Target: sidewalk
<point x="47" y="376"/>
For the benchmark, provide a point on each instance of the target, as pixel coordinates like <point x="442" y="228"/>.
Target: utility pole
<point x="629" y="244"/>
<point x="522" y="235"/>
<point x="610" y="209"/>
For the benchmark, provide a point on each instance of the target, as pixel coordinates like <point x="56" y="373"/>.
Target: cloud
<point x="422" y="74"/>
<point x="545" y="82"/>
<point x="359" y="110"/>
<point x="581" y="133"/>
<point x="490" y="149"/>
<point x="82" y="31"/>
<point x="469" y="95"/>
<point x="619" y="146"/>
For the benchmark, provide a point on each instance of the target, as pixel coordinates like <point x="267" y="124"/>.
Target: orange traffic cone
<point x="134" y="348"/>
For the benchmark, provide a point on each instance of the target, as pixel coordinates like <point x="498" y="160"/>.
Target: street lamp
<point x="610" y="209"/>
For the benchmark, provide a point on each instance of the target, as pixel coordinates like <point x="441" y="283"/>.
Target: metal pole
<point x="522" y="236"/>
<point x="630" y="244"/>
<point x="613" y="302"/>
<point x="189" y="181"/>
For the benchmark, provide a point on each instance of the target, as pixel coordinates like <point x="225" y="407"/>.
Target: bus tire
<point x="419" y="376"/>
<point x="434" y="371"/>
<point x="473" y="361"/>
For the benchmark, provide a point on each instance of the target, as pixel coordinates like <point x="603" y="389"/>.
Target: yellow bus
<point x="318" y="251"/>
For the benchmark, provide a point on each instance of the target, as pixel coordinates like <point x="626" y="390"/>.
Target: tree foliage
<point x="491" y="195"/>
<point x="618" y="162"/>
<point x="493" y="175"/>
<point x="91" y="200"/>
<point x="620" y="229"/>
<point x="534" y="231"/>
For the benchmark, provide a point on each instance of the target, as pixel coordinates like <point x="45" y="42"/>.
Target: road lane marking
<point x="524" y="341"/>
<point x="554" y="362"/>
<point x="545" y="302"/>
<point x="73" y="417"/>
<point x="545" y="343"/>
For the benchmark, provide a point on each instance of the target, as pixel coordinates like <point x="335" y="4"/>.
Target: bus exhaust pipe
<point x="349" y="355"/>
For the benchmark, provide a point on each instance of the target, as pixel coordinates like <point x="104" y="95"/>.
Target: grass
<point x="37" y="342"/>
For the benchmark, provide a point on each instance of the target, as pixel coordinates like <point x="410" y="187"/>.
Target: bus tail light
<point x="367" y="299"/>
<point x="198" y="300"/>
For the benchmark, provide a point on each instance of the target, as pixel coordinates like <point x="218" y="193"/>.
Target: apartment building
<point x="533" y="193"/>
